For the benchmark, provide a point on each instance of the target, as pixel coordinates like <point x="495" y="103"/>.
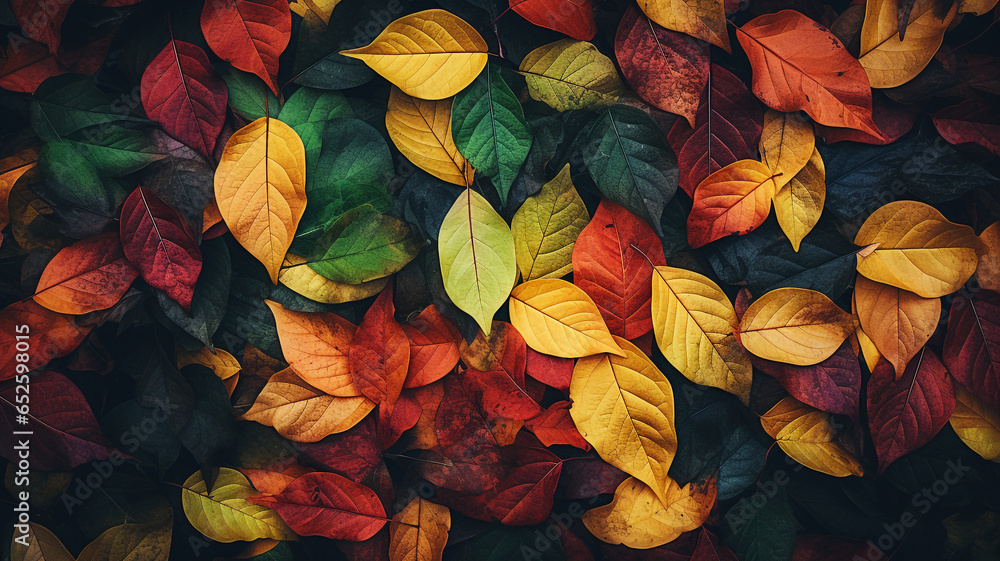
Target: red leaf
<point x="496" y="373"/>
<point x="28" y="63"/>
<point x="249" y="34"/>
<point x="905" y="414"/>
<point x="972" y="346"/>
<point x="159" y="243"/>
<point x="353" y="453"/>
<point x="328" y="505"/>
<point x="433" y="347"/>
<point x="892" y="120"/>
<point x="41" y="21"/>
<point x="727" y="128"/>
<point x="550" y="370"/>
<point x="833" y="385"/>
<point x="66" y="434"/>
<point x="709" y="548"/>
<point x="51" y="335"/>
<point x="554" y="426"/>
<point x="379" y="354"/>
<point x="590" y="476"/>
<point x="526" y="495"/>
<point x="500" y="395"/>
<point x="798" y="64"/>
<point x="615" y="275"/>
<point x="185" y="95"/>
<point x="970" y="121"/>
<point x="405" y="415"/>
<point x="89" y="275"/>
<point x="569" y="17"/>
<point x="666" y="68"/>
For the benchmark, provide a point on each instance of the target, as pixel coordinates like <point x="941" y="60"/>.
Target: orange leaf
<point x="89" y="275"/>
<point x="317" y="344"/>
<point x="735" y="199"/>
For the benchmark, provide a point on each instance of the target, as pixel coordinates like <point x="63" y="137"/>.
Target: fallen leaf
<point x="892" y="58"/>
<point x="898" y="322"/>
<point x="433" y="347"/>
<point x="795" y="326"/>
<point x="90" y="275"/>
<point x="379" y="354"/>
<point x="809" y="437"/>
<point x="223" y="512"/>
<point x="316" y="345"/>
<point x="969" y="347"/>
<point x="798" y="205"/>
<point x="51" y="334"/>
<point x="249" y="34"/>
<point x="703" y="19"/>
<point x="976" y="423"/>
<point x="421" y="130"/>
<point x="786" y="145"/>
<point x="574" y="18"/>
<point x="303" y="280"/>
<point x="559" y="319"/>
<point x="988" y="271"/>
<point x="570" y="74"/>
<point x="734" y="200"/>
<point x="420" y="531"/>
<point x="547" y="227"/>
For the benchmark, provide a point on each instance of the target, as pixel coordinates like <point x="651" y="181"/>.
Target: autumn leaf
<point x="555" y="426"/>
<point x="571" y="74"/>
<point x="786" y="145"/>
<point x="891" y="57"/>
<point x="42" y="22"/>
<point x="379" y="354"/>
<point x="809" y="437"/>
<point x="11" y="169"/>
<point x="89" y="275"/>
<point x="988" y="272"/>
<point x="420" y="531"/>
<point x="421" y="130"/>
<point x="569" y="17"/>
<point x="433" y="347"/>
<point x="705" y="20"/>
<point x="223" y="513"/>
<point x="362" y="246"/>
<point x="42" y="545"/>
<point x="833" y="385"/>
<point x="558" y="318"/>
<point x="128" y="541"/>
<point x="795" y="326"/>
<point x="249" y="34"/>
<point x="898" y="322"/>
<point x="976" y="423"/>
<point x="973" y="330"/>
<point x="312" y="285"/>
<point x="546" y="228"/>
<point x="798" y="205"/>
<point x="734" y="200"/>
<point x="52" y="335"/>
<point x="316" y="345"/>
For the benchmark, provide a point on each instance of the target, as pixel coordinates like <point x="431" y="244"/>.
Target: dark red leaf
<point x="569" y="17"/>
<point x="550" y="370"/>
<point x="590" y="476"/>
<point x="554" y="426"/>
<point x="379" y="354"/>
<point x="353" y="453"/>
<point x="709" y="548"/>
<point x="833" y="385"/>
<point x="41" y="21"/>
<point x="404" y="415"/>
<point x="158" y="242"/>
<point x="28" y="63"/>
<point x="972" y="346"/>
<point x="526" y="495"/>
<point x="970" y="121"/>
<point x="892" y="120"/>
<point x="249" y="34"/>
<point x="51" y="335"/>
<point x="433" y="347"/>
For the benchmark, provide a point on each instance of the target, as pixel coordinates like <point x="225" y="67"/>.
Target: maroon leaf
<point x="525" y="497"/>
<point x="158" y="242"/>
<point x="569" y="17"/>
<point x="353" y="453"/>
<point x="709" y="548"/>
<point x="249" y="34"/>
<point x="891" y="119"/>
<point x="972" y="346"/>
<point x="28" y="63"/>
<point x="550" y="370"/>
<point x="833" y="385"/>
<point x="590" y="476"/>
<point x="905" y="414"/>
<point x="379" y="354"/>
<point x="185" y="95"/>
<point x="811" y="547"/>
<point x="970" y="121"/>
<point x="41" y="21"/>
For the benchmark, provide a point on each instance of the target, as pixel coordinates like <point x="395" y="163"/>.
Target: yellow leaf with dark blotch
<point x="221" y="362"/>
<point x="260" y="189"/>
<point x="976" y="423"/>
<point x="918" y="249"/>
<point x="322" y="8"/>
<point x="624" y="407"/>
<point x="557" y="318"/>
<point x="296" y="275"/>
<point x="977" y="7"/>
<point x="786" y="145"/>
<point x="478" y="263"/>
<point x="430" y="54"/>
<point x="795" y="326"/>
<point x="988" y="272"/>
<point x="898" y="322"/>
<point x="223" y="513"/>
<point x="799" y="204"/>
<point x="571" y="74"/>
<point x="889" y="61"/>
<point x="131" y="542"/>
<point x="302" y="413"/>
<point x="693" y="322"/>
<point x="43" y="545"/>
<point x="808" y="436"/>
<point x="636" y="518"/>
<point x="704" y="19"/>
<point x="316" y="345"/>
<point x="420" y="532"/>
<point x="421" y="130"/>
<point x="545" y="229"/>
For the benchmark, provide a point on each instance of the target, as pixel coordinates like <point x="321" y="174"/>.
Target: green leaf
<point x="74" y="188"/>
<point x="69" y="103"/>
<point x="307" y="112"/>
<point x="119" y="152"/>
<point x="363" y="245"/>
<point x="247" y="93"/>
<point x="488" y="125"/>
<point x="762" y="532"/>
<point x="629" y="160"/>
<point x="478" y="263"/>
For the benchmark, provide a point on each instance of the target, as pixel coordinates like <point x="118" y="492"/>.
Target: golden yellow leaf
<point x="977" y="7"/>
<point x="11" y="169"/>
<point x="636" y="518"/>
<point x="316" y="344"/>
<point x="43" y="545"/>
<point x="420" y="532"/>
<point x="786" y="145"/>
<point x="545" y="229"/>
<point x="221" y="362"/>
<point x="799" y="204"/>
<point x="570" y="74"/>
<point x="421" y="130"/>
<point x="795" y="326"/>
<point x="431" y="54"/>
<point x="478" y="264"/>
<point x="131" y="542"/>
<point x="260" y="188"/>
<point x="889" y="61"/>
<point x="322" y="8"/>
<point x="314" y="286"/>
<point x="988" y="272"/>
<point x="302" y="413"/>
<point x="624" y="407"/>
<point x="704" y="19"/>
<point x="918" y="249"/>
<point x="808" y="436"/>
<point x="558" y="318"/>
<point x="223" y="513"/>
<point x="976" y="423"/>
<point x="862" y="343"/>
<point x="694" y="324"/>
<point x="898" y="321"/>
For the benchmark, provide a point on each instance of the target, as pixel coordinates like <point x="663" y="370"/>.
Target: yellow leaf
<point x="786" y="144"/>
<point x="976" y="423"/>
<point x="223" y="513"/>
<point x="476" y="250"/>
<point x="322" y="8"/>
<point x="131" y="542"/>
<point x="977" y="7"/>
<point x="314" y="286"/>
<point x="43" y="545"/>
<point x="898" y="322"/>
<point x="302" y="413"/>
<point x="795" y="326"/>
<point x="221" y="362"/>
<point x="421" y="130"/>
<point x="545" y="229"/>
<point x="430" y="54"/>
<point x="918" y="249"/>
<point x="799" y="204"/>
<point x="889" y="61"/>
<point x="704" y="19"/>
<point x="636" y="518"/>
<point x="11" y="169"/>
<point x="988" y="273"/>
<point x="316" y="344"/>
<point x="571" y="74"/>
<point x="420" y="532"/>
<point x="557" y="318"/>
<point x="807" y="435"/>
<point x="260" y="188"/>
<point x="624" y="407"/>
<point x="694" y="324"/>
